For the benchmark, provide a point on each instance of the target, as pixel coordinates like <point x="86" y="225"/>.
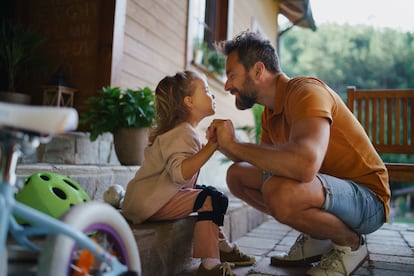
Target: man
<point x="315" y="168"/>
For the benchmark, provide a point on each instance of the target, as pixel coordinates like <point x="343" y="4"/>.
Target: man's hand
<point x="223" y="132"/>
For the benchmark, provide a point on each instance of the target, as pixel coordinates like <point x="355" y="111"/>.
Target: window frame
<point x="222" y="25"/>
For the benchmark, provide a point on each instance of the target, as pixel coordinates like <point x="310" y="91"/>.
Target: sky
<point x="396" y="14"/>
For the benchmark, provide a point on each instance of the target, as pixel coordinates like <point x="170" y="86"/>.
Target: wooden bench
<point x="387" y="116"/>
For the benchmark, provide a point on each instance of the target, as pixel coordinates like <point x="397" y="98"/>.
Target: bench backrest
<point x="387" y="116"/>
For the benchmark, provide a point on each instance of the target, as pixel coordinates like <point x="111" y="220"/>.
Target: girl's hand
<point x="223" y="131"/>
<point x="210" y="134"/>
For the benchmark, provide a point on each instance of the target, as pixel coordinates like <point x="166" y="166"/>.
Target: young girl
<point x="165" y="185"/>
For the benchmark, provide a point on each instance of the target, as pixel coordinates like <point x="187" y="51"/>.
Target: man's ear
<point x="258" y="69"/>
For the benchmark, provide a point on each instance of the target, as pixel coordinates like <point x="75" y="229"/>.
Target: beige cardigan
<point x="159" y="178"/>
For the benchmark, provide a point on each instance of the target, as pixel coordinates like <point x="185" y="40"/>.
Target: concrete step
<point x="240" y="217"/>
<point x="165" y="247"/>
<point x="95" y="179"/>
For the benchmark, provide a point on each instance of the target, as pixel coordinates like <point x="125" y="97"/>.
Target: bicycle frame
<point x="12" y="145"/>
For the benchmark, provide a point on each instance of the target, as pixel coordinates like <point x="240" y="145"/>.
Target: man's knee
<point x="278" y="196"/>
<point x="233" y="171"/>
<point x="233" y="177"/>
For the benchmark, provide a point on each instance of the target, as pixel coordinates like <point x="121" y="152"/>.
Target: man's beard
<point x="247" y="95"/>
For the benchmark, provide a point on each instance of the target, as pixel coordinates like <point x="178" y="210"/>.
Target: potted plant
<point x="127" y="115"/>
<point x="17" y="45"/>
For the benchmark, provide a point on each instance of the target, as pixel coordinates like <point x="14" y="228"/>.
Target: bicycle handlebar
<point x="41" y="119"/>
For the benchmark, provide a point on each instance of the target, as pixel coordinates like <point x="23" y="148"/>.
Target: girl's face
<point x="201" y="102"/>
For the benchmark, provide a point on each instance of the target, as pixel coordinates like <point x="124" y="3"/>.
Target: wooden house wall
<point x="154" y="41"/>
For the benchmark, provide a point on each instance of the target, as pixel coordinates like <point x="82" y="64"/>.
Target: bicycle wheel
<point x="103" y="224"/>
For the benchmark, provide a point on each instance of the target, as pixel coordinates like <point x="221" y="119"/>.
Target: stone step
<point x="165" y="247"/>
<point x="95" y="179"/>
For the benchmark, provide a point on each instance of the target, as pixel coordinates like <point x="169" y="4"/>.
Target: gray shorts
<point x="357" y="206"/>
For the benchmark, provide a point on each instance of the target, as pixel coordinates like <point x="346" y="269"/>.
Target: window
<point x="215" y="21"/>
<point x="208" y="23"/>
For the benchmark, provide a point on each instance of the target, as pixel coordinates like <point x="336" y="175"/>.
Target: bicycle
<point x="91" y="238"/>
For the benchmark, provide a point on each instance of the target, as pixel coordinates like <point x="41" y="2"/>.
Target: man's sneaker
<point x="304" y="251"/>
<point x="236" y="257"/>
<point x="340" y="261"/>
<point x="223" y="269"/>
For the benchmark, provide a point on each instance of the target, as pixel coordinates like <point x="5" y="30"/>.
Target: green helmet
<point x="51" y="193"/>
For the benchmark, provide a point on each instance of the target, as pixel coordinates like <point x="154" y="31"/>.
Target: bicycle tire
<point x="60" y="253"/>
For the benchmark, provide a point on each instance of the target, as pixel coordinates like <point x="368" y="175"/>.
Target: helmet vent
<point x="59" y="193"/>
<point x="45" y="177"/>
<point x="70" y="184"/>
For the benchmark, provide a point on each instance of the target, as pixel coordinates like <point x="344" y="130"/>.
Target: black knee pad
<point x="219" y="202"/>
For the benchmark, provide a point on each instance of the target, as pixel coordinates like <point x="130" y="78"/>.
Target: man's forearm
<point x="229" y="155"/>
<point x="288" y="161"/>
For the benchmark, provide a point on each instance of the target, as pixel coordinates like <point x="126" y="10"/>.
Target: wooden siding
<point x="154" y="42"/>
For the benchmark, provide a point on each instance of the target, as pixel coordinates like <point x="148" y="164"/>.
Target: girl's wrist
<point x="212" y="144"/>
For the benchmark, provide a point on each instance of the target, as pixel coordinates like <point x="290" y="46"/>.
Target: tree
<point x="343" y="55"/>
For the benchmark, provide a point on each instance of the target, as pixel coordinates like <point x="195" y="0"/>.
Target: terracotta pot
<point x="14" y="97"/>
<point x="130" y="144"/>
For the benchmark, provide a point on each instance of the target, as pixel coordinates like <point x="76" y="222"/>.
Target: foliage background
<point x="343" y="55"/>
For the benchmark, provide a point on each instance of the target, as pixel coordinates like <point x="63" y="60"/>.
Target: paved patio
<point x="391" y="250"/>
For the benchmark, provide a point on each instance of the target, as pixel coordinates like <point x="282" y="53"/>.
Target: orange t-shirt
<point x="350" y="154"/>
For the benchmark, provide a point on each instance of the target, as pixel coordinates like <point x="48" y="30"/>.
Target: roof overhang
<point x="298" y="12"/>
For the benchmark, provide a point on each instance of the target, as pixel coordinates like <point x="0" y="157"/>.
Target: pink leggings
<point x="206" y="233"/>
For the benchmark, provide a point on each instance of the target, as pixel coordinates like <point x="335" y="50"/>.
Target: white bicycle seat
<point x="40" y="119"/>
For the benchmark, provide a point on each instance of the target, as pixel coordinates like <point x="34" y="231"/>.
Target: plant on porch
<point x="125" y="114"/>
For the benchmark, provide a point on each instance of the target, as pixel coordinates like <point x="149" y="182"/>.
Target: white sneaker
<point x="304" y="251"/>
<point x="341" y="260"/>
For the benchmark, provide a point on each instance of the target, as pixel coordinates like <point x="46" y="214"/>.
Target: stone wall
<point x="75" y="148"/>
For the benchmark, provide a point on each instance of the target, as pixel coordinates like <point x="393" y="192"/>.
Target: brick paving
<point x="391" y="250"/>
